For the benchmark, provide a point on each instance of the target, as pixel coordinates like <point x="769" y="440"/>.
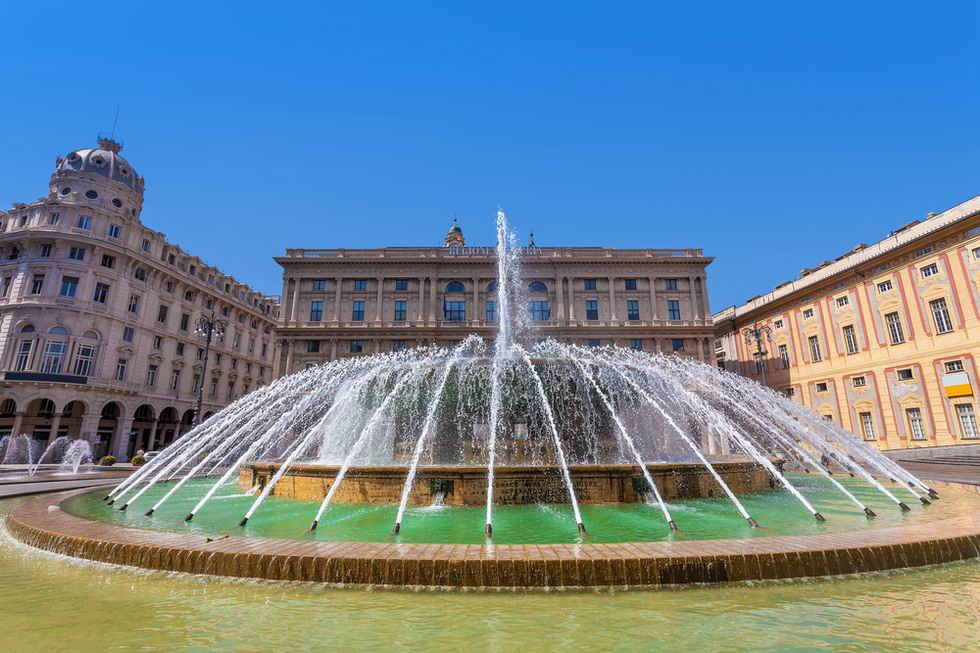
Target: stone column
<point x="55" y="424"/>
<point x="333" y="349"/>
<point x="18" y="422"/>
<point x="432" y="301"/>
<point x="612" y="302"/>
<point x="339" y="281"/>
<point x="154" y="432"/>
<point x="475" y="315"/>
<point x="288" y="346"/>
<point x="294" y="312"/>
<point x="653" y="299"/>
<point x="571" y="300"/>
<point x="705" y="306"/>
<point x="120" y="439"/>
<point x="559" y="299"/>
<point x="421" y="308"/>
<point x="90" y="424"/>
<point x="381" y="285"/>
<point x="700" y="342"/>
<point x="694" y="299"/>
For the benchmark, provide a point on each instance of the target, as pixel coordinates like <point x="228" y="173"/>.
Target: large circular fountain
<point x="620" y="467"/>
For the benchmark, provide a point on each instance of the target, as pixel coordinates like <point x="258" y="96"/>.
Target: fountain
<point x="519" y="430"/>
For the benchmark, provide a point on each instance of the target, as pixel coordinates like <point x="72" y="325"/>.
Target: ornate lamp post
<point x="207" y="326"/>
<point x="756" y="335"/>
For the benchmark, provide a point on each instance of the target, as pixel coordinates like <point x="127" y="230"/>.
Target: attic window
<point x="91" y="194"/>
<point x="116" y="202"/>
<point x="98" y="160"/>
<point x="124" y="172"/>
<point x="65" y="190"/>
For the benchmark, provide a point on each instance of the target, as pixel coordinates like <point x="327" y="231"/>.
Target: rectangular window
<point x="850" y="339"/>
<point x="128" y="334"/>
<point x="101" y="293"/>
<point x="360" y="284"/>
<point x="778" y="324"/>
<point x="401" y="310"/>
<point x="808" y="314"/>
<point x="842" y="301"/>
<point x="175" y="380"/>
<point x="670" y="284"/>
<point x="316" y="310"/>
<point x="108" y="261"/>
<point x="954" y="366"/>
<point x="630" y="284"/>
<point x="37" y="283"/>
<point x="895" y="333"/>
<point x="158" y="342"/>
<point x="401" y="284"/>
<point x="162" y="313"/>
<point x="180" y="349"/>
<point x="905" y="374"/>
<point x="454" y="311"/>
<point x="789" y="392"/>
<point x="636" y="344"/>
<point x="976" y="252"/>
<point x="916" y="427"/>
<point x="884" y="286"/>
<point x="867" y="426"/>
<point x="814" y="342"/>
<point x="356" y="346"/>
<point x="859" y="382"/>
<point x="134" y="304"/>
<point x="185" y="320"/>
<point x="632" y="310"/>
<point x="593" y="342"/>
<point x="151" y="375"/>
<point x="76" y="253"/>
<point x="539" y="311"/>
<point x="120" y="370"/>
<point x="677" y="344"/>
<point x="591" y="309"/>
<point x="83" y="222"/>
<point x="113" y="231"/>
<point x="940" y="315"/>
<point x="139" y="274"/>
<point x="784" y="356"/>
<point x="312" y="346"/>
<point x="53" y="356"/>
<point x="146" y="245"/>
<point x="589" y="284"/>
<point x="397" y="345"/>
<point x="968" y="421"/>
<point x="23" y="355"/>
<point x="929" y="270"/>
<point x="68" y="286"/>
<point x="54" y="218"/>
<point x="319" y="285"/>
<point x="822" y="386"/>
<point x="357" y="314"/>
<point x="6" y="286"/>
<point x="673" y="309"/>
<point x="46" y="250"/>
<point x="491" y="310"/>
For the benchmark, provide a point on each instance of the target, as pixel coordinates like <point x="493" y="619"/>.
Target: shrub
<point x="107" y="461"/>
<point x="137" y="460"/>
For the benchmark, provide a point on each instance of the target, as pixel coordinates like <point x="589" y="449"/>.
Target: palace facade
<point x="882" y="340"/>
<point x="98" y="311"/>
<point x="348" y="302"/>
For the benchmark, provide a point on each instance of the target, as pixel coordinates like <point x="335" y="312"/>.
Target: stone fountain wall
<point x="467" y="486"/>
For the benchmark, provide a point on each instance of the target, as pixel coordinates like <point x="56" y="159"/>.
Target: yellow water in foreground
<point x="52" y="603"/>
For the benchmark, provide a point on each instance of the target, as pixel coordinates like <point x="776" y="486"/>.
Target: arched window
<point x="492" y="286"/>
<point x="85" y="355"/>
<point x="455" y="286"/>
<point x="58" y="331"/>
<point x="55" y="348"/>
<point x="110" y="411"/>
<point x="27" y="328"/>
<point x="8" y="408"/>
<point x="22" y="355"/>
<point x="537" y="286"/>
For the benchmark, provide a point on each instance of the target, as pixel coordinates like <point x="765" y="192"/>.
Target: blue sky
<point x="773" y="136"/>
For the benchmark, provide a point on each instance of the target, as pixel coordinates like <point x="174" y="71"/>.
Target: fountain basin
<point x="513" y="485"/>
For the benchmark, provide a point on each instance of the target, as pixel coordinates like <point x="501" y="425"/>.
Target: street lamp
<point x="207" y="326"/>
<point x="757" y="334"/>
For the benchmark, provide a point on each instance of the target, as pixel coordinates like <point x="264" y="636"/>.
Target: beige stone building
<point x="883" y="340"/>
<point x="97" y="313"/>
<point x="346" y="302"/>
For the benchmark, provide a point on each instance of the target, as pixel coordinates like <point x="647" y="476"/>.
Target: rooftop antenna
<point x="114" y="120"/>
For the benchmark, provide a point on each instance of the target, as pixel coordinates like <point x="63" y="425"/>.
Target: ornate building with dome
<point x="98" y="311"/>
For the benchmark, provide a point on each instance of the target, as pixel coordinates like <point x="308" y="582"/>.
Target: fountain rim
<point x="41" y="523"/>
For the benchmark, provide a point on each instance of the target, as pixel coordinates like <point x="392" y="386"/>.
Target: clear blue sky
<point x="773" y="136"/>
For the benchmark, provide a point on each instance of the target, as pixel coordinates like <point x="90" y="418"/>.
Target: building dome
<point x="455" y="235"/>
<point x="103" y="160"/>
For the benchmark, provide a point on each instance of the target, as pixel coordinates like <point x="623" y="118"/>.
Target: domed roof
<point x="103" y="160"/>
<point x="455" y="228"/>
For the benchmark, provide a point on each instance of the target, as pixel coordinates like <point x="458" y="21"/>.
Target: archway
<point x="167" y="430"/>
<point x="8" y="415"/>
<point x="108" y="424"/>
<point x="71" y="419"/>
<point x="38" y="421"/>
<point x="144" y="423"/>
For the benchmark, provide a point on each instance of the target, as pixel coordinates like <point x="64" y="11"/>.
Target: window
<point x="24" y="349"/>
<point x="319" y="285"/>
<point x="808" y="313"/>
<point x="37" y="283"/>
<point x="76" y="253"/>
<point x="492" y="286"/>
<point x="171" y="259"/>
<point x="814" y="342"/>
<point x="673" y="309"/>
<point x="632" y="310"/>
<point x="539" y="311"/>
<point x="397" y="345"/>
<point x="589" y="284"/>
<point x="670" y="284"/>
<point x="593" y="342"/>
<point x="151" y="375"/>
<point x="108" y="261"/>
<point x="940" y="315"/>
<point x="68" y="286"/>
<point x="630" y="284"/>
<point x="53" y="356"/>
<point x="46" y="250"/>
<point x="401" y="284"/>
<point x="884" y="286"/>
<point x="139" y="274"/>
<point x="537" y="286"/>
<point x="401" y="310"/>
<point x="968" y="420"/>
<point x="491" y="310"/>
<point x="54" y="218"/>
<point x="113" y="231"/>
<point x="929" y="270"/>
<point x="185" y="321"/>
<point x="189" y="296"/>
<point x="120" y="370"/>
<point x="778" y="324"/>
<point x="357" y="314"/>
<point x="677" y="344"/>
<point x="175" y="380"/>
<point x="914" y="416"/>
<point x="127" y="334"/>
<point x="867" y="426"/>
<point x="179" y="349"/>
<point x="822" y="386"/>
<point x="859" y="382"/>
<point x="6" y="286"/>
<point x="356" y="346"/>
<point x="101" y="293"/>
<point x="146" y="245"/>
<point x="976" y="252"/>
<point x="195" y="383"/>
<point x="905" y="374"/>
<point x="637" y="344"/>
<point x="784" y="356"/>
<point x="162" y="313"/>
<point x="455" y="286"/>
<point x="312" y="346"/>
<point x="842" y="301"/>
<point x="214" y="388"/>
<point x="591" y="309"/>
<point x="454" y="311"/>
<point x="360" y="284"/>
<point x="895" y="333"/>
<point x="789" y="392"/>
<point x="316" y="310"/>
<point x="83" y="222"/>
<point x="850" y="339"/>
<point x="134" y="304"/>
<point x="954" y="366"/>
<point x="158" y="342"/>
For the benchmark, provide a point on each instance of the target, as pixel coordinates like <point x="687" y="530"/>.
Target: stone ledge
<point x="41" y="523"/>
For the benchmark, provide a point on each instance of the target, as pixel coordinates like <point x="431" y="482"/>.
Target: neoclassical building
<point x="348" y="302"/>
<point x="98" y="311"/>
<point x="882" y="340"/>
